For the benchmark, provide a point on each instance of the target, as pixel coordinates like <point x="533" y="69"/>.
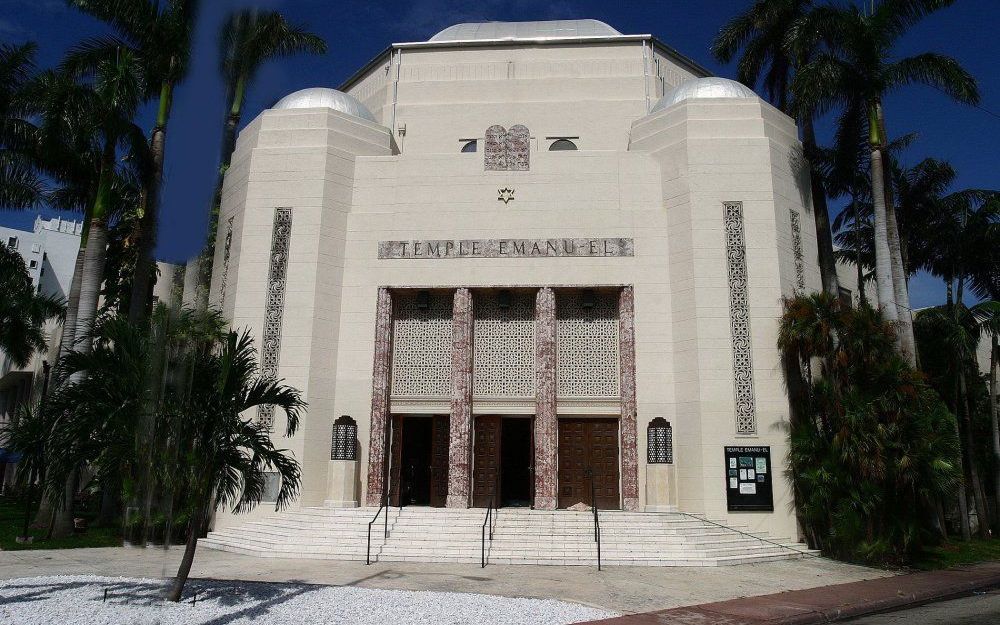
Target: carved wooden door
<point x="486" y="459"/>
<point x="585" y="445"/>
<point x="440" y="438"/>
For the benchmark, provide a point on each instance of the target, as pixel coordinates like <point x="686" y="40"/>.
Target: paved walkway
<point x="830" y="603"/>
<point x="625" y="590"/>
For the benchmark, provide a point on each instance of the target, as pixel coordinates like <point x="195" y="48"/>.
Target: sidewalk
<point x="828" y="603"/>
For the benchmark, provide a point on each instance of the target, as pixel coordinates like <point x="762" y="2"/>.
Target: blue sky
<point x="357" y="30"/>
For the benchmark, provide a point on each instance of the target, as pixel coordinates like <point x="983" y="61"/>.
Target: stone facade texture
<point x="460" y="440"/>
<point x="629" y="427"/>
<point x="546" y="424"/>
<point x="380" y="398"/>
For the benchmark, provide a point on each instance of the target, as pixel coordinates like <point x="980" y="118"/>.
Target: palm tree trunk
<point x="994" y="358"/>
<point x="189" y="548"/>
<point x="968" y="449"/>
<point x="90" y="282"/>
<point x="72" y="307"/>
<point x="821" y="214"/>
<point x="62" y="524"/>
<point x="883" y="261"/>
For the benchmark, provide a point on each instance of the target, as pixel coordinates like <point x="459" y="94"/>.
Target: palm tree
<point x="856" y="73"/>
<point x="26" y="436"/>
<point x="773" y="49"/>
<point x="249" y="39"/>
<point x="229" y="454"/>
<point x="20" y="185"/>
<point x="23" y="311"/>
<point x="160" y="35"/>
<point x="987" y="314"/>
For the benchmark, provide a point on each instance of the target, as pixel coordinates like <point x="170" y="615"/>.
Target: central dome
<point x="703" y="88"/>
<point x="322" y="97"/>
<point x="552" y="29"/>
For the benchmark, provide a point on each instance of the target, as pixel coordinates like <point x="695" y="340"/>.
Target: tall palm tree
<point x="160" y="35"/>
<point x="229" y="453"/>
<point x="23" y="311"/>
<point x="20" y="185"/>
<point x="855" y="73"/>
<point x="773" y="48"/>
<point x="249" y="39"/>
<point x="987" y="314"/>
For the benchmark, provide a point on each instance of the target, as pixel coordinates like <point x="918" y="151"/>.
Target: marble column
<point x="629" y="434"/>
<point x="380" y="398"/>
<point x="460" y="440"/>
<point x="546" y="424"/>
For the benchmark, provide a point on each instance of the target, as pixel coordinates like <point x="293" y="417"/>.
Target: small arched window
<point x="560" y="145"/>
<point x="345" y="435"/>
<point x="470" y="146"/>
<point x="659" y="442"/>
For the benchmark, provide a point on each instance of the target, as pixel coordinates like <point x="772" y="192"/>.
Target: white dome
<point x="321" y="97"/>
<point x="703" y="88"/>
<point x="552" y="29"/>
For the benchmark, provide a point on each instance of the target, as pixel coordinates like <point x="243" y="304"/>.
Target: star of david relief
<point x="507" y="150"/>
<point x="505" y="195"/>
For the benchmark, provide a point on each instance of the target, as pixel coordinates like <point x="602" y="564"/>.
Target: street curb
<point x="828" y="604"/>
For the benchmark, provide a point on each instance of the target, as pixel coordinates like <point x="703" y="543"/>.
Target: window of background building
<point x="36" y="247"/>
<point x="12" y="243"/>
<point x="32" y="264"/>
<point x="562" y="144"/>
<point x="470" y="145"/>
<point x="846" y="298"/>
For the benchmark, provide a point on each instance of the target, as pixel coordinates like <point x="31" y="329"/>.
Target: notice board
<point x="748" y="479"/>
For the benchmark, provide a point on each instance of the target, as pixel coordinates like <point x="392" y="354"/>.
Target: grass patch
<point x="12" y="522"/>
<point x="956" y="553"/>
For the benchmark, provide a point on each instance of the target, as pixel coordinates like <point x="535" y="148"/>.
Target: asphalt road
<point x="983" y="609"/>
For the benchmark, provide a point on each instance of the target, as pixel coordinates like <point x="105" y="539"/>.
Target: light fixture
<point x="423" y="300"/>
<point x="588" y="299"/>
<point x="503" y="299"/>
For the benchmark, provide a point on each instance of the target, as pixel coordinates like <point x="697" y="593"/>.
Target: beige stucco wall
<point x="660" y="180"/>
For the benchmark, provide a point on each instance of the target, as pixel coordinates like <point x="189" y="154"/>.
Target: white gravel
<point x="79" y="600"/>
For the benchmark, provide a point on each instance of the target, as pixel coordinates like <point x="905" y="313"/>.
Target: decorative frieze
<point x="739" y="317"/>
<point x="460" y="437"/>
<point x="274" y="305"/>
<point x="800" y="264"/>
<point x="629" y="433"/>
<point x="432" y="249"/>
<point x="381" y="367"/>
<point x="225" y="261"/>
<point x="546" y="425"/>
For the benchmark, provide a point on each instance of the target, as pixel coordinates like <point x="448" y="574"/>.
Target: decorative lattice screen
<point x="504" y="346"/>
<point x="659" y="442"/>
<point x="343" y="444"/>
<point x="587" y="362"/>
<point x="421" y="345"/>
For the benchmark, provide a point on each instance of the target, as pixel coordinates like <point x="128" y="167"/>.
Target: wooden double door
<point x="419" y="471"/>
<point x="503" y="461"/>
<point x="585" y="446"/>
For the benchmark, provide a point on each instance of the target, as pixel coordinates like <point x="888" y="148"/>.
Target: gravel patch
<point x="80" y="600"/>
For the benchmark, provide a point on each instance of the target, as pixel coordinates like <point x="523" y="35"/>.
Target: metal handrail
<point x="385" y="506"/>
<point x="749" y="535"/>
<point x="597" y="520"/>
<point x="489" y="520"/>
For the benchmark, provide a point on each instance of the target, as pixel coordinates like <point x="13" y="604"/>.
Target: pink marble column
<point x="630" y="451"/>
<point x="460" y="442"/>
<point x="546" y="424"/>
<point x="380" y="397"/>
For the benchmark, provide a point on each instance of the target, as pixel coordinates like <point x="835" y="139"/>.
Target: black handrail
<point x="749" y="535"/>
<point x="489" y="520"/>
<point x="597" y="520"/>
<point x="385" y="506"/>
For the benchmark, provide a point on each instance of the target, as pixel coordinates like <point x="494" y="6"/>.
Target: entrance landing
<point x="520" y="536"/>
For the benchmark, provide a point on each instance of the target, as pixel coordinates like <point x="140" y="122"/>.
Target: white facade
<point x="697" y="207"/>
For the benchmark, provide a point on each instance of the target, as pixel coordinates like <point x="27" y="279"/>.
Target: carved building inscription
<point x="507" y="150"/>
<point x="505" y="248"/>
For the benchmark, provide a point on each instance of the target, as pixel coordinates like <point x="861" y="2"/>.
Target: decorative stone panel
<point x="381" y="365"/>
<point x="629" y="434"/>
<point x="588" y="346"/>
<point x="504" y="346"/>
<point x="800" y="266"/>
<point x="507" y="150"/>
<point x="546" y="425"/>
<point x="274" y="304"/>
<point x="460" y="435"/>
<point x="422" y="344"/>
<point x="739" y="317"/>
<point x="226" y="251"/>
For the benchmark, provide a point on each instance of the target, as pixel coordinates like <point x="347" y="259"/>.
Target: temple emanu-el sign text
<point x="505" y="248"/>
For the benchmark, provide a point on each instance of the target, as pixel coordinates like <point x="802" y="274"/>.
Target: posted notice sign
<point x="748" y="479"/>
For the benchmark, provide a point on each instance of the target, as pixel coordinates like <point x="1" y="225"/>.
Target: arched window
<point x="470" y="146"/>
<point x="659" y="442"/>
<point x="562" y="144"/>
<point x="345" y="436"/>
